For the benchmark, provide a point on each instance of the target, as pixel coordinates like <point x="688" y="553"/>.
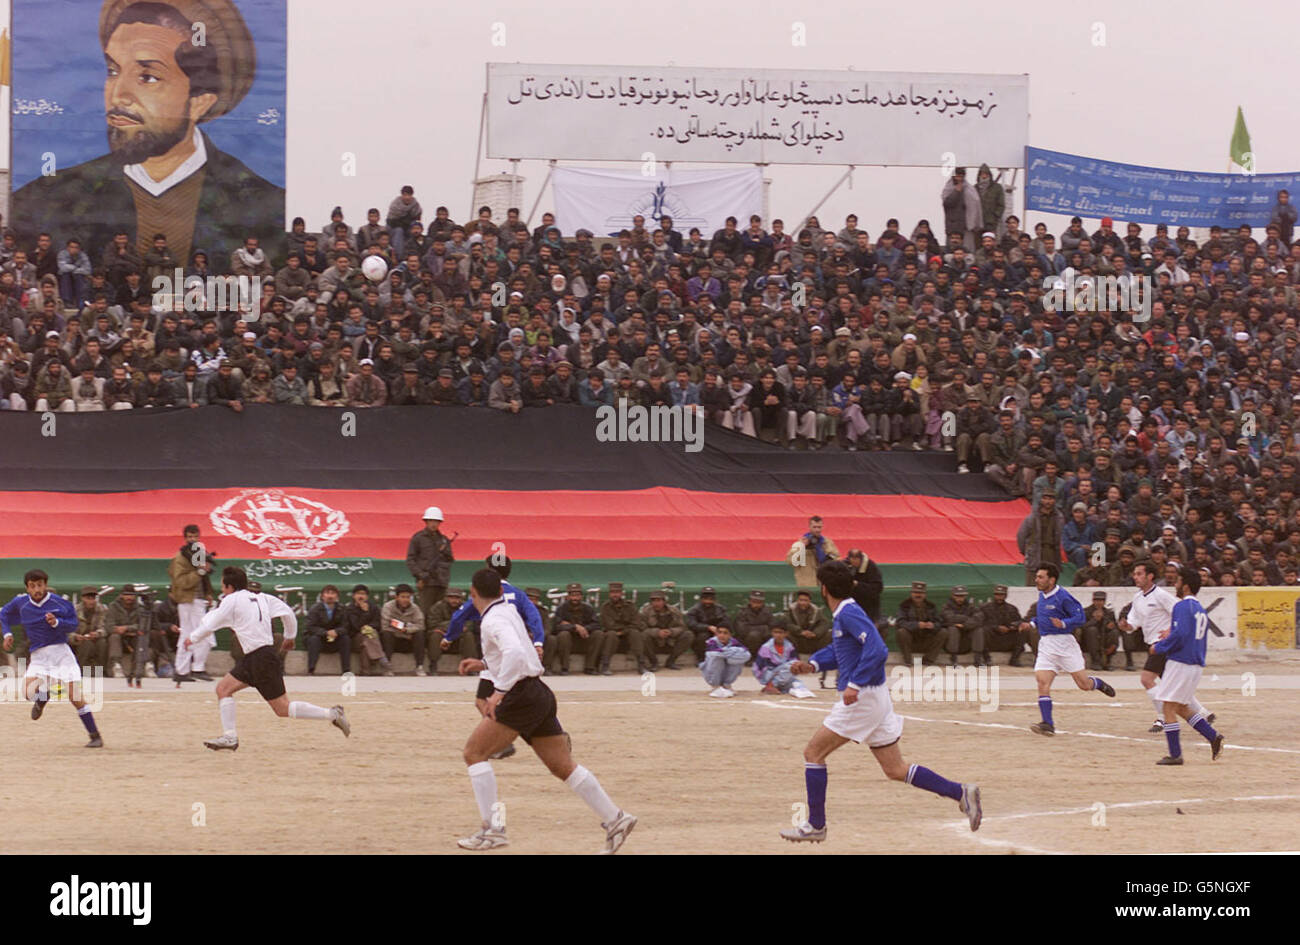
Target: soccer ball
<point x="374" y="268"/>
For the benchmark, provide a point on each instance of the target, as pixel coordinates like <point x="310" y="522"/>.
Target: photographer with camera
<point x="810" y="550"/>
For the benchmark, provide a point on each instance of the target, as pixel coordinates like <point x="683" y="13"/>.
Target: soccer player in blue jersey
<point x="47" y="620"/>
<point x="865" y="711"/>
<point x="1056" y="617"/>
<point x="532" y="618"/>
<point x="1184" y="646"/>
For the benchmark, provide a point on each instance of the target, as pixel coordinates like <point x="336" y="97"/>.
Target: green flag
<point x="1239" y="150"/>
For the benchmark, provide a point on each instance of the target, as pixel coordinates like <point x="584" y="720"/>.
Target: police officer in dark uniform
<point x="1002" y="626"/>
<point x="704" y="618"/>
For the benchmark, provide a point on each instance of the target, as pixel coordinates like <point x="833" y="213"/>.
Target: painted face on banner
<point x="147" y="100"/>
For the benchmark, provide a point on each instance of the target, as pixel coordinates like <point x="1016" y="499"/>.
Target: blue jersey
<point x="23" y="610"/>
<point x="856" y="649"/>
<point x="1061" y="605"/>
<point x="527" y="610"/>
<point x="1186" y="640"/>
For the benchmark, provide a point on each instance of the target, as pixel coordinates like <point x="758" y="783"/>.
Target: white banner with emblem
<point x="605" y="201"/>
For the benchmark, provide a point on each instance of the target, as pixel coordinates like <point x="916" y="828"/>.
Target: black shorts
<point x="485" y="688"/>
<point x="1155" y="663"/>
<point x="261" y="669"/>
<point x="529" y="709"/>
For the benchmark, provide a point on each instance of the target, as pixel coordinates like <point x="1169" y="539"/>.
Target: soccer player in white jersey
<point x="47" y="620"/>
<point x="521" y="705"/>
<point x="1183" y="645"/>
<point x="1151" y="612"/>
<point x="1055" y="617"/>
<point x="249" y="615"/>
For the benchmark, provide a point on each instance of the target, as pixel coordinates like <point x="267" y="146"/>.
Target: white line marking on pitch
<point x="1059" y="731"/>
<point x="963" y="827"/>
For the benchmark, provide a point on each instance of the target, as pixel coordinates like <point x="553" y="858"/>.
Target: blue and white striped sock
<point x="1171" y="736"/>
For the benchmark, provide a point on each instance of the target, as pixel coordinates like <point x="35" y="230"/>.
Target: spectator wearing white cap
<point x="365" y="389"/>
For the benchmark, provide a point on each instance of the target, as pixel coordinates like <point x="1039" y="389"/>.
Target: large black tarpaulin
<point x="427" y="448"/>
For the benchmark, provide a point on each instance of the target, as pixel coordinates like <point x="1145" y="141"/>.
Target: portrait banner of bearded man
<point x="169" y="70"/>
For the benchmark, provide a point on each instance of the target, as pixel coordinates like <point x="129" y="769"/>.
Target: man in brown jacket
<point x="190" y="591"/>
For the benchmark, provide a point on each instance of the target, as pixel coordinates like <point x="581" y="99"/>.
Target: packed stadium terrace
<point x="1163" y="434"/>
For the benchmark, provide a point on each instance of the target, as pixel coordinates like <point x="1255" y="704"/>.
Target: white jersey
<point x="1152" y="613"/>
<point x="508" y="651"/>
<point x="249" y="615"/>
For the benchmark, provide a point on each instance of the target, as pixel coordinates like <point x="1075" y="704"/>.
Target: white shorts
<point x="54" y="662"/>
<point x="1059" y="653"/>
<point x="1177" y="682"/>
<point x="871" y="719"/>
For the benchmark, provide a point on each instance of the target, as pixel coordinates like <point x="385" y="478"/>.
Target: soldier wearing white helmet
<point x="429" y="557"/>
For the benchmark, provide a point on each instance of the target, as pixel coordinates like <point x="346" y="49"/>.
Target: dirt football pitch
<point x="705" y="776"/>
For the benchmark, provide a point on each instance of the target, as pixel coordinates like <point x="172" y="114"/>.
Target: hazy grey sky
<point x="399" y="84"/>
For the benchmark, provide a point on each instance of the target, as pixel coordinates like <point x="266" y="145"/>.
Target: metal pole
<point x="550" y="169"/>
<point x="478" y="153"/>
<point x="813" y="212"/>
<point x="767" y="197"/>
<point x="515" y="190"/>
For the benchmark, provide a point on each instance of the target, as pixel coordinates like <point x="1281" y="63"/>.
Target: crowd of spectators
<point x="1168" y="430"/>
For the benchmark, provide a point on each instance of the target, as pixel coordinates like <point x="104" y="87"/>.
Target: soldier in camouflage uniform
<point x="620" y="618"/>
<point x="665" y="629"/>
<point x="90" y="641"/>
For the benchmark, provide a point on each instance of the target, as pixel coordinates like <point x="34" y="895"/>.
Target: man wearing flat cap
<point x="163" y="174"/>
